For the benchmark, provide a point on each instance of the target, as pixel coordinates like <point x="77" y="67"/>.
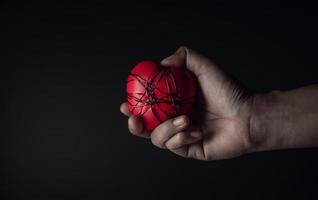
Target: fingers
<point x="177" y="59"/>
<point x="183" y="138"/>
<point x="168" y="129"/>
<point x="194" y="150"/>
<point x="187" y="144"/>
<point x="213" y="81"/>
<point x="124" y="109"/>
<point x="170" y="134"/>
<point x="185" y="56"/>
<point x="135" y="126"/>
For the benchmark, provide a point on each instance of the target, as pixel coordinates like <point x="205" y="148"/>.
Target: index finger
<point x="124" y="109"/>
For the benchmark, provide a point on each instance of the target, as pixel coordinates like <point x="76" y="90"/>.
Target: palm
<point x="220" y="120"/>
<point x="225" y="134"/>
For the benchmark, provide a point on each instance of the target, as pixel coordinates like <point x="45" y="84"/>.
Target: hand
<point x="219" y="126"/>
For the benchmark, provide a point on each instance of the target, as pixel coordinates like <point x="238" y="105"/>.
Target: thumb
<point x="187" y="57"/>
<point x="177" y="59"/>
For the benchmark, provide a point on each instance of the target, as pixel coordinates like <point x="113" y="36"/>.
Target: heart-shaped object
<point x="156" y="93"/>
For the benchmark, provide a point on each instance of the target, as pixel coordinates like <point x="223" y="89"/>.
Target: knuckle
<point x="157" y="139"/>
<point x="130" y="126"/>
<point x="165" y="127"/>
<point x="133" y="132"/>
<point x="177" y="141"/>
<point x="209" y="157"/>
<point x="169" y="145"/>
<point x="184" y="47"/>
<point x="160" y="134"/>
<point x="180" y="138"/>
<point x="191" y="154"/>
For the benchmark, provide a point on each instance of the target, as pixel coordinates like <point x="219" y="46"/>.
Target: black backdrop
<point x="63" y="72"/>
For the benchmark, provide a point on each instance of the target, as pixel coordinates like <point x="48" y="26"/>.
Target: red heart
<point x="156" y="93"/>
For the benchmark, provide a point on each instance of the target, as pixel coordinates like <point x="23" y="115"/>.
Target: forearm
<point x="285" y="119"/>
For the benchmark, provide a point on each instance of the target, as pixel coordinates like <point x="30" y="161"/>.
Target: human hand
<point x="218" y="128"/>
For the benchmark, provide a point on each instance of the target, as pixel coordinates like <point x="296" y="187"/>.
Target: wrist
<point x="266" y="114"/>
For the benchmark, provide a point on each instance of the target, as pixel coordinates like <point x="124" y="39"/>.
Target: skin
<point x="228" y="122"/>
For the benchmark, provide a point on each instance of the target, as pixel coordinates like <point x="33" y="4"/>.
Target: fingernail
<point x="180" y="121"/>
<point x="195" y="134"/>
<point x="131" y="130"/>
<point x="129" y="127"/>
<point x="165" y="60"/>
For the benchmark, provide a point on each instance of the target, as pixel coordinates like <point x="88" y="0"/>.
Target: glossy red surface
<point x="156" y="93"/>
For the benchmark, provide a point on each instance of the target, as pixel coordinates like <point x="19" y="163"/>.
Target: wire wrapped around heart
<point x="157" y="93"/>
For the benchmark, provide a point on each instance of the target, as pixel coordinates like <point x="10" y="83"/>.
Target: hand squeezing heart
<point x="156" y="93"/>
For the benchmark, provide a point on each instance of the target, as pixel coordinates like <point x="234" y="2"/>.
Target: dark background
<point x="63" y="68"/>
